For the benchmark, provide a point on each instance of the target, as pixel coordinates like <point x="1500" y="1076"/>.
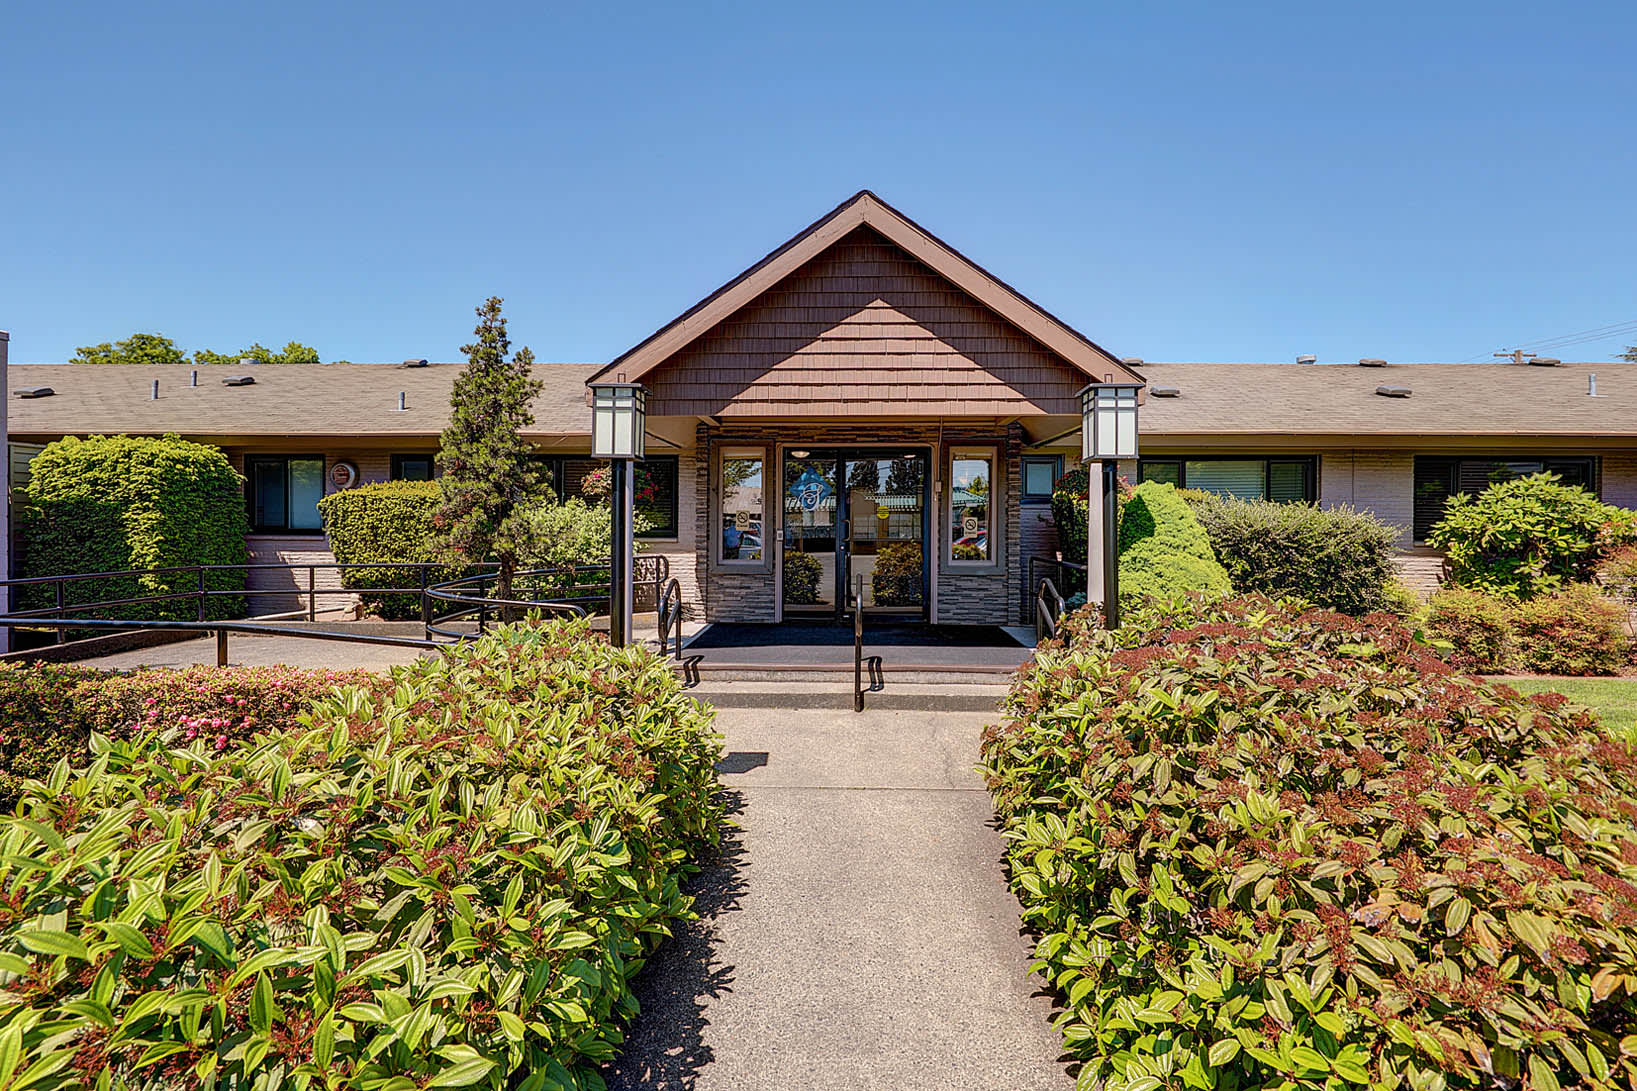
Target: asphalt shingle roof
<point x="286" y="400"/>
<point x="1213" y="399"/>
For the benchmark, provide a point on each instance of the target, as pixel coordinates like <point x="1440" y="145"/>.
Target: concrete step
<point x="958" y="696"/>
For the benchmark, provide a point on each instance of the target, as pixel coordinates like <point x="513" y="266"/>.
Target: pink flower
<point x="221" y="742"/>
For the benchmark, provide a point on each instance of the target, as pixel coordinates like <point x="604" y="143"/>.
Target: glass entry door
<point x="851" y="515"/>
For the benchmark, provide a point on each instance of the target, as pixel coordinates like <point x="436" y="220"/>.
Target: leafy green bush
<point x="380" y="523"/>
<point x="1337" y="558"/>
<point x="1528" y="536"/>
<point x="1618" y="576"/>
<point x="1572" y="631"/>
<point x="1070" y="512"/>
<point x="121" y="503"/>
<point x="445" y="885"/>
<point x="802" y="573"/>
<point x="1478" y="627"/>
<point x="49" y="711"/>
<point x="1271" y="847"/>
<point x="897" y="577"/>
<point x="1164" y="551"/>
<point x="570" y="533"/>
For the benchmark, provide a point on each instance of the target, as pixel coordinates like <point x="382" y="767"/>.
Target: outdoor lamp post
<point x="1108" y="431"/>
<point x="618" y="429"/>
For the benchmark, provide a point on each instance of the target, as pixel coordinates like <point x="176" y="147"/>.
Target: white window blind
<point x="1244" y="479"/>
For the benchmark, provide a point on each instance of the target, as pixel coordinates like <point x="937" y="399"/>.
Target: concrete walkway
<point x="857" y="931"/>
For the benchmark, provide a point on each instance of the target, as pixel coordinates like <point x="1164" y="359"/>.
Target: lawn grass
<point x="1613" y="699"/>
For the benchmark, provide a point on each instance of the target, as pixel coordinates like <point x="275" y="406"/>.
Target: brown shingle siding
<point x="860" y="326"/>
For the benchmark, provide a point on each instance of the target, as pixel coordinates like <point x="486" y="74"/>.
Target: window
<point x="1438" y="477"/>
<point x="283" y="492"/>
<point x="656" y="496"/>
<point x="552" y="475"/>
<point x="413" y="468"/>
<point x="1040" y="474"/>
<point x="1286" y="480"/>
<point x="742" y="538"/>
<point x="971" y="478"/>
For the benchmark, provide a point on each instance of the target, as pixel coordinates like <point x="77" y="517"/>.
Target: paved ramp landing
<point x="857" y="931"/>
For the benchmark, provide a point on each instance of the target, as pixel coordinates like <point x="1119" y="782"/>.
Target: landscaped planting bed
<point x="1264" y="846"/>
<point x="443" y="884"/>
<point x="49" y="711"/>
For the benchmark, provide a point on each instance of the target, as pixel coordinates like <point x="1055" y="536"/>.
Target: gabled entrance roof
<point x="865" y="209"/>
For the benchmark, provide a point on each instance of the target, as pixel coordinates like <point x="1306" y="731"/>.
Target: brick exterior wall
<point x="1382" y="482"/>
<point x="1620" y="479"/>
<point x="989" y="597"/>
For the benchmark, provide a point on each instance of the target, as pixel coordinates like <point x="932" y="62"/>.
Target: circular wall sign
<point x="344" y="475"/>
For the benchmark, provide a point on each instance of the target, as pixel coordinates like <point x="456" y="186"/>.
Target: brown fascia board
<point x="865" y="209"/>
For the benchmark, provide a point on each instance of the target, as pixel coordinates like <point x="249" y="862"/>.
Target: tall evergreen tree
<point x="488" y="479"/>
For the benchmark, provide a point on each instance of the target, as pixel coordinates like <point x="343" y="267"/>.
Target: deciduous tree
<point x="139" y="348"/>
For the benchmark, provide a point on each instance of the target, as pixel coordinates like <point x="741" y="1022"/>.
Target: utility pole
<point x="1517" y="356"/>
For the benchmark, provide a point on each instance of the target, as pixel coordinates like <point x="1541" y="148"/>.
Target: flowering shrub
<point x="1265" y="846"/>
<point x="48" y="711"/>
<point x="1528" y="536"/>
<point x="443" y="885"/>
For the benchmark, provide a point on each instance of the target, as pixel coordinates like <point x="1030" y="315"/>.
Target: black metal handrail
<point x="1060" y="571"/>
<point x="1048" y="608"/>
<point x="858" y="646"/>
<point x="466" y="597"/>
<point x="668" y="615"/>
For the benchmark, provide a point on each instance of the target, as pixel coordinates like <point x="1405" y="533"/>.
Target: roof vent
<point x="35" y="392"/>
<point x="1371" y="361"/>
<point x="249" y="361"/>
<point x="1545" y="361"/>
<point x="1165" y="391"/>
<point x="1307" y="358"/>
<point x="413" y="363"/>
<point x="1131" y="361"/>
<point x="1393" y="391"/>
<point x="239" y="380"/>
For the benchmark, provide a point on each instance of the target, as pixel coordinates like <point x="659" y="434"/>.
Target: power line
<point x="1567" y="340"/>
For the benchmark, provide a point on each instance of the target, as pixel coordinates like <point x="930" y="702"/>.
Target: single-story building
<point x="866" y="401"/>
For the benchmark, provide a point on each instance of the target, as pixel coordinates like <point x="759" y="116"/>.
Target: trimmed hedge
<point x="1266" y="846"/>
<point x="1337" y="558"/>
<point x="117" y="503"/>
<point x="49" y="711"/>
<point x="1529" y="536"/>
<point x="386" y="521"/>
<point x="1164" y="550"/>
<point x="450" y="884"/>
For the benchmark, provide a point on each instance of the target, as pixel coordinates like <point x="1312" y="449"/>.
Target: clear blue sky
<point x="1208" y="181"/>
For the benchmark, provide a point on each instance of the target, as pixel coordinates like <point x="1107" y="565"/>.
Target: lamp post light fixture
<point x="1108" y="433"/>
<point x="618" y="433"/>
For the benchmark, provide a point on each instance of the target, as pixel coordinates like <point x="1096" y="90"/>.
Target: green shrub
<point x="49" y="711"/>
<point x="385" y="522"/>
<point x="120" y="503"/>
<point x="1401" y="600"/>
<point x="446" y="885"/>
<point x="1528" y="536"/>
<point x="802" y="574"/>
<point x="1164" y="551"/>
<point x="1618" y="576"/>
<point x="897" y="578"/>
<point x="1337" y="558"/>
<point x="1069" y="513"/>
<point x="1280" y="848"/>
<point x="1478" y="627"/>
<point x="570" y="533"/>
<point x="1572" y="631"/>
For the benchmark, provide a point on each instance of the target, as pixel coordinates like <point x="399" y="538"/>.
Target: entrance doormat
<point x="829" y="634"/>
